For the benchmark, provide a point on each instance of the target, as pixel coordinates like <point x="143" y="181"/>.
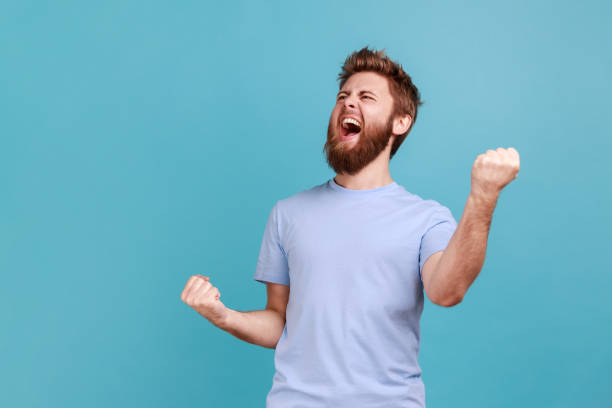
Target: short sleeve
<point x="272" y="265"/>
<point x="439" y="232"/>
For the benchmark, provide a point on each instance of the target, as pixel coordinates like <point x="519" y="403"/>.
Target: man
<point x="358" y="252"/>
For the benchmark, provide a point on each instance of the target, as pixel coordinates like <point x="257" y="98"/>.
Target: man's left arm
<point x="464" y="255"/>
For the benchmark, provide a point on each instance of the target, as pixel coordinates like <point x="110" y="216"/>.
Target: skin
<point x="448" y="274"/>
<point x="366" y="95"/>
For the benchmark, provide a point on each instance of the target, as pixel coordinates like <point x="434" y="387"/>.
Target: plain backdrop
<point x="144" y="142"/>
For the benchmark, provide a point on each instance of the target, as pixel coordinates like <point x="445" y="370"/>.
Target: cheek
<point x="375" y="115"/>
<point x="336" y="111"/>
<point x="334" y="115"/>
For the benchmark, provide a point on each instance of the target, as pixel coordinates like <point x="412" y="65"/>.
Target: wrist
<point x="481" y="207"/>
<point x="225" y="322"/>
<point x="483" y="199"/>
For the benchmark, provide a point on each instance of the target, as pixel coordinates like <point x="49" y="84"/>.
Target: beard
<point x="372" y="140"/>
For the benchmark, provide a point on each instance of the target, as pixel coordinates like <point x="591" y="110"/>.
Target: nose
<point x="349" y="101"/>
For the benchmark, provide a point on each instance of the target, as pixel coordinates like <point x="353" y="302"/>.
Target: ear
<point x="401" y="124"/>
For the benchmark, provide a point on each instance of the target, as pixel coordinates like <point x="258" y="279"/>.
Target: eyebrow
<point x="360" y="93"/>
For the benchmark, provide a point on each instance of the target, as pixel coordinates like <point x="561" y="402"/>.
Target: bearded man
<point x="347" y="263"/>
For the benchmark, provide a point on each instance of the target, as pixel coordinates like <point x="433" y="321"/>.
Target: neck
<point x="375" y="174"/>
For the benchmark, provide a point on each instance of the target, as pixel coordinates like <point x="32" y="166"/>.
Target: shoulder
<point x="298" y="200"/>
<point x="430" y="210"/>
<point x="423" y="204"/>
<point x="286" y="209"/>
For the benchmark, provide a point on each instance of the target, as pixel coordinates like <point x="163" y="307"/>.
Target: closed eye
<point x="341" y="97"/>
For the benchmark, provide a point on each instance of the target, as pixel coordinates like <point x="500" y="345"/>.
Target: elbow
<point x="448" y="296"/>
<point x="449" y="301"/>
<point x="452" y="302"/>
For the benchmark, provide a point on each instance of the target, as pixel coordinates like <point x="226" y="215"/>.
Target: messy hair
<point x="406" y="96"/>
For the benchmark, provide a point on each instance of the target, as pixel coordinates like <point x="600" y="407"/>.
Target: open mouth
<point x="349" y="129"/>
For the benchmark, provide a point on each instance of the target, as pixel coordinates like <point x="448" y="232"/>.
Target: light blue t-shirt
<point x="353" y="260"/>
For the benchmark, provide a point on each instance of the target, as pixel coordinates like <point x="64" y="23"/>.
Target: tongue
<point x="351" y="131"/>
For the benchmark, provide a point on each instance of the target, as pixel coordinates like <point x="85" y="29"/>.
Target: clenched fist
<point x="493" y="170"/>
<point x="203" y="297"/>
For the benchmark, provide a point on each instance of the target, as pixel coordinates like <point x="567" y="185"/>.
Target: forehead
<point x="367" y="81"/>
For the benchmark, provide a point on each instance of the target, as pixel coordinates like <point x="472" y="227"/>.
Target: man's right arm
<point x="261" y="327"/>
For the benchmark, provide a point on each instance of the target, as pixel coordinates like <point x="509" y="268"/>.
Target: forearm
<point x="260" y="327"/>
<point x="464" y="255"/>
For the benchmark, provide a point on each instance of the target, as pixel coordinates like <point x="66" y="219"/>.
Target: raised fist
<point x="493" y="170"/>
<point x="203" y="297"/>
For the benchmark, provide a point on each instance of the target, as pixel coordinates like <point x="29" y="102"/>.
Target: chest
<point x="376" y="246"/>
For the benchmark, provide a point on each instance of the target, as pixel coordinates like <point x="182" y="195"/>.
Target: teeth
<point x="350" y="120"/>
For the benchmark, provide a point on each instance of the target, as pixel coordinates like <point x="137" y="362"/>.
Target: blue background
<point x="144" y="142"/>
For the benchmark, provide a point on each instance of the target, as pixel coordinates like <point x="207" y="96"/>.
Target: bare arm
<point x="450" y="274"/>
<point x="260" y="327"/>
